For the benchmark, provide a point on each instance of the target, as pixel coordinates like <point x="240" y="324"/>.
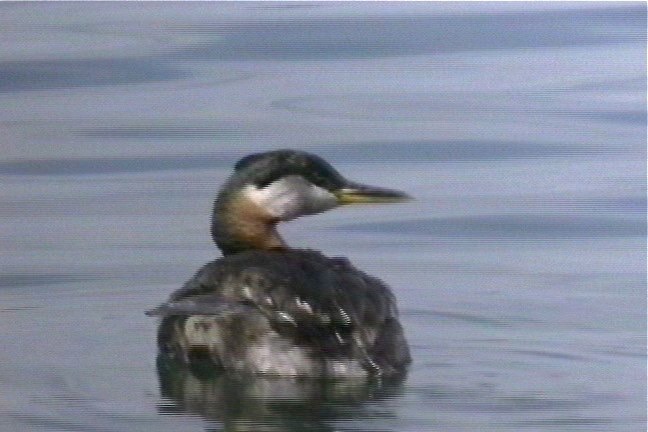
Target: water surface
<point x="520" y="268"/>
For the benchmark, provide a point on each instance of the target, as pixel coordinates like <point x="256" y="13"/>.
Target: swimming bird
<point x="266" y="308"/>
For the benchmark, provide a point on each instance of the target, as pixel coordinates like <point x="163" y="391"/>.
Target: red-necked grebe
<point x="267" y="308"/>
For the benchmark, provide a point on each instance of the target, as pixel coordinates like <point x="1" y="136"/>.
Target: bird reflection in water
<point x="229" y="401"/>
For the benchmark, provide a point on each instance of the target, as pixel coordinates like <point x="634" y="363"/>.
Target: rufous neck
<point x="238" y="224"/>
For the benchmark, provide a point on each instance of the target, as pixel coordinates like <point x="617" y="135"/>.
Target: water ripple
<point x="109" y="165"/>
<point x="314" y="39"/>
<point x="460" y="316"/>
<point x="70" y="73"/>
<point x="512" y="227"/>
<point x="425" y="151"/>
<point x="34" y="279"/>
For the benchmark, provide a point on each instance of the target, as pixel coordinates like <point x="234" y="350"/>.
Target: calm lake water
<point x="520" y="269"/>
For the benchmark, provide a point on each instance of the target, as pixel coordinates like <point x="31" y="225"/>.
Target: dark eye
<point x="266" y="180"/>
<point x="324" y="178"/>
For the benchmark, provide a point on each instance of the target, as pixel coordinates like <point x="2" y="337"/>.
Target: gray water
<point x="520" y="128"/>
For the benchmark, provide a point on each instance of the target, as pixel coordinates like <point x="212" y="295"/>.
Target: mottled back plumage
<point x="326" y="309"/>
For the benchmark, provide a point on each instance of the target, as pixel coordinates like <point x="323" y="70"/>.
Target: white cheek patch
<point x="291" y="197"/>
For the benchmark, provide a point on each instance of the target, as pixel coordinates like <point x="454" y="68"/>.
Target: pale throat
<point x="248" y="218"/>
<point x="290" y="197"/>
